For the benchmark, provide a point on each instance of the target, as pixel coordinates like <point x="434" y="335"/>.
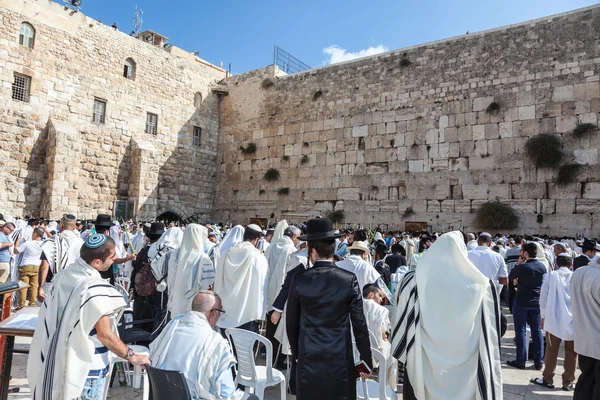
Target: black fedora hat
<point x="156" y="229"/>
<point x="588" y="245"/>
<point x="319" y="229"/>
<point x="103" y="221"/>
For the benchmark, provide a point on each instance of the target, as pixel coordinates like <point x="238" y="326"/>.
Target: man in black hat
<point x="589" y="252"/>
<point x="380" y="265"/>
<point x="322" y="302"/>
<point x="103" y="224"/>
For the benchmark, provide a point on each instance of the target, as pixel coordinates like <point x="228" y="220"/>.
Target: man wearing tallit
<point x="241" y="280"/>
<point x="76" y="333"/>
<point x="58" y="253"/>
<point x="451" y="349"/>
<point x="234" y="237"/>
<point x="278" y="254"/>
<point x="190" y="270"/>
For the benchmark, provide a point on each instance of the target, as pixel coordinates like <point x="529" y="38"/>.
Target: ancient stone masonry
<point x="439" y="127"/>
<point x="55" y="159"/>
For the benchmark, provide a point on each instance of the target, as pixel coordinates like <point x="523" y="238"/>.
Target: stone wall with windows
<point x="80" y="100"/>
<point x="438" y="129"/>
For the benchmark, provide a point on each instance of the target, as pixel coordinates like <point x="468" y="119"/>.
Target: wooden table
<point x="9" y="334"/>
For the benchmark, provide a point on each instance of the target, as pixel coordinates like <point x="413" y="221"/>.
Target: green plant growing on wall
<point x="261" y="192"/>
<point x="271" y="175"/>
<point x="285" y="158"/>
<point x="582" y="130"/>
<point x="317" y="95"/>
<point x="283" y="191"/>
<point x="404" y="62"/>
<point x="266" y="83"/>
<point x="336" y="216"/>
<point x="409" y="212"/>
<point x="493" y="108"/>
<point x="545" y="150"/>
<point x="304" y="160"/>
<point x="568" y="173"/>
<point x="496" y="215"/>
<point x="305" y="144"/>
<point x="539" y="219"/>
<point x="249" y="149"/>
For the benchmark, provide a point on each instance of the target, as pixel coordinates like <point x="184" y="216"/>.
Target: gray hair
<point x="561" y="245"/>
<point x="292" y="231"/>
<point x="471" y="236"/>
<point x="204" y="301"/>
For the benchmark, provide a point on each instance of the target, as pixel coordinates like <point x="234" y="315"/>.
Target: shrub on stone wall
<point x="545" y="150"/>
<point x="582" y="130"/>
<point x="304" y="160"/>
<point x="409" y="212"/>
<point x="317" y="95"/>
<point x="266" y="83"/>
<point x="249" y="149"/>
<point x="271" y="175"/>
<point x="568" y="173"/>
<point x="285" y="158"/>
<point x="336" y="216"/>
<point x="283" y="191"/>
<point x="496" y="215"/>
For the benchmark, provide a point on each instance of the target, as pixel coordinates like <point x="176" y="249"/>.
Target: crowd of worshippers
<point x="325" y="298"/>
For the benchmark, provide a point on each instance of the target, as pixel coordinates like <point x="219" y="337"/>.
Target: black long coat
<point x="322" y="302"/>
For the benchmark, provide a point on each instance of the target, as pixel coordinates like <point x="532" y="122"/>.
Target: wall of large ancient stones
<point x="74" y="60"/>
<point x="411" y="129"/>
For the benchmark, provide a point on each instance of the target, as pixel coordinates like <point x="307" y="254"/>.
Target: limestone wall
<point x="411" y="128"/>
<point x="74" y="60"/>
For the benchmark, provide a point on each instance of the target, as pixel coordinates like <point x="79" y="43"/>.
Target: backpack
<point x="145" y="283"/>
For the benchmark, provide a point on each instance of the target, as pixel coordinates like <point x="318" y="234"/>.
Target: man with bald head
<point x="189" y="344"/>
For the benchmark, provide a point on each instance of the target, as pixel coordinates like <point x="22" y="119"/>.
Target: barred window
<point x="99" y="114"/>
<point x="196" y="137"/>
<point x="21" y="87"/>
<point x="151" y="123"/>
<point x="129" y="69"/>
<point x="26" y="35"/>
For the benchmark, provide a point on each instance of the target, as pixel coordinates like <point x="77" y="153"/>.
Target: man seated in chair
<point x="378" y="322"/>
<point x="190" y="345"/>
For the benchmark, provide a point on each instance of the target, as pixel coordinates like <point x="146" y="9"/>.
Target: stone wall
<point x="411" y="129"/>
<point x="74" y="60"/>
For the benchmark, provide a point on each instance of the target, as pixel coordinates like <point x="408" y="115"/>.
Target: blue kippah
<point x="95" y="241"/>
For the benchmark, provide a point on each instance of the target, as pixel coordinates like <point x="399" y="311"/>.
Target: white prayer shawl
<point x="139" y="241"/>
<point x="159" y="251"/>
<point x="278" y="255"/>
<point x="378" y="317"/>
<point x="115" y="230"/>
<point x="62" y="250"/>
<point x="190" y="270"/>
<point x="241" y="281"/>
<point x="541" y="257"/>
<point x="189" y="344"/>
<point x="232" y="239"/>
<point x="446" y="326"/>
<point x="365" y="272"/>
<point x="555" y="303"/>
<point x="279" y="229"/>
<point x="27" y="233"/>
<point x="61" y="350"/>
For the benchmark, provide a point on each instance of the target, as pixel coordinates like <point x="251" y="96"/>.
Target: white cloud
<point x="337" y="54"/>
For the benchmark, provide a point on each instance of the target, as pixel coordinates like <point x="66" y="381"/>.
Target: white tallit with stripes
<point x="62" y="250"/>
<point x="446" y="326"/>
<point x="61" y="351"/>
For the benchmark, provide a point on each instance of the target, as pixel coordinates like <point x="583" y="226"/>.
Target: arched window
<point x="129" y="69"/>
<point x="198" y="100"/>
<point x="26" y="35"/>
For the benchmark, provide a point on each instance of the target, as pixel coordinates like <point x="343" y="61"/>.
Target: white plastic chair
<point x="372" y="390"/>
<point x="134" y="378"/>
<point x="123" y="281"/>
<point x="248" y="373"/>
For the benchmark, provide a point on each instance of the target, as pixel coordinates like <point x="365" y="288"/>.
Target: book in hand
<point x="362" y="367"/>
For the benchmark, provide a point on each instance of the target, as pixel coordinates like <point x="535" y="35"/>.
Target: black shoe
<point x="569" y="388"/>
<point x="515" y="364"/>
<point x="539" y="367"/>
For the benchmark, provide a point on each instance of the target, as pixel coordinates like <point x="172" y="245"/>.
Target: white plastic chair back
<point x="124" y="292"/>
<point x="373" y="339"/>
<point x="124" y="282"/>
<point x="244" y="344"/>
<point x="380" y="390"/>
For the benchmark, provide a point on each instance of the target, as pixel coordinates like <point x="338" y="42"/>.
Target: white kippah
<point x="254" y="227"/>
<point x="564" y="255"/>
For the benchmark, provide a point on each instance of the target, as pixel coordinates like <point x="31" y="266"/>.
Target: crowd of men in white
<point x="199" y="280"/>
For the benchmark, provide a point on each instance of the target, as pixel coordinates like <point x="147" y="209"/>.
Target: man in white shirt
<point x="29" y="266"/>
<point x="355" y="263"/>
<point x="487" y="261"/>
<point x="472" y="244"/>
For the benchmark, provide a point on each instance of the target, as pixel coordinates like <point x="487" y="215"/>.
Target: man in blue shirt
<point x="5" y="245"/>
<point x="527" y="278"/>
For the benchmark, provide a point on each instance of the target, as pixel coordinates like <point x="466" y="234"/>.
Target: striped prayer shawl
<point x="62" y="351"/>
<point x="62" y="250"/>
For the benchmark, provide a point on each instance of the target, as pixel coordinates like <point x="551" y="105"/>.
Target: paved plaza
<point x="516" y="382"/>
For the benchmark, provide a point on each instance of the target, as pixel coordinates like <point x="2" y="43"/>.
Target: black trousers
<point x="588" y="384"/>
<point x="407" y="390"/>
<point x="270" y="334"/>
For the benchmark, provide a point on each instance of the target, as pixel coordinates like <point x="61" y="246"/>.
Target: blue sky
<point x="244" y="32"/>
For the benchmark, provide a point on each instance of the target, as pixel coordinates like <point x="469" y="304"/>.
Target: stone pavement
<point x="516" y="382"/>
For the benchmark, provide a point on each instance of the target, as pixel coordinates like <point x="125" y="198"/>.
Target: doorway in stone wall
<point x="168" y="217"/>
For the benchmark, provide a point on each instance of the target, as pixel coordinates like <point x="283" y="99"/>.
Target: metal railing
<point x="288" y="63"/>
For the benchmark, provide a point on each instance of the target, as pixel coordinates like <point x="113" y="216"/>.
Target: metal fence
<point x="288" y="63"/>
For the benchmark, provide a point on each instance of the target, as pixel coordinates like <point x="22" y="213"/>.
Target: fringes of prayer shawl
<point x="61" y="350"/>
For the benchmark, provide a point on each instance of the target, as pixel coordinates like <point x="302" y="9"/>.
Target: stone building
<point x="436" y="129"/>
<point x="94" y="120"/>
